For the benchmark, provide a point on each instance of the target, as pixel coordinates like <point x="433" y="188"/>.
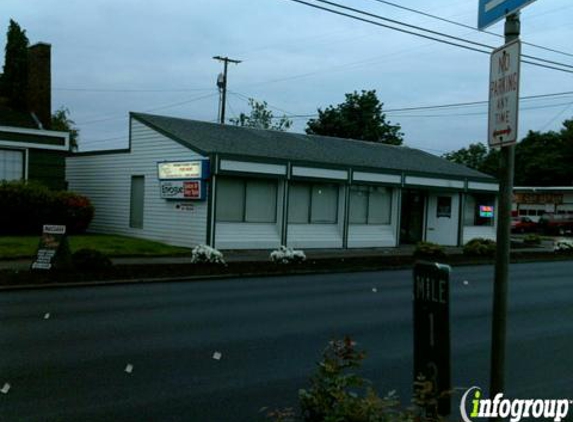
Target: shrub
<point x="480" y="247"/>
<point x="429" y="250"/>
<point x="73" y="210"/>
<point x="284" y="255"/>
<point x="90" y="260"/>
<point x="27" y="206"/>
<point x="563" y="245"/>
<point x="204" y="254"/>
<point x="338" y="393"/>
<point x="532" y="239"/>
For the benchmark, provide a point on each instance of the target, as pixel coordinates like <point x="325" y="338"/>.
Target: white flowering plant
<point x="284" y="255"/>
<point x="563" y="245"/>
<point x="203" y="254"/>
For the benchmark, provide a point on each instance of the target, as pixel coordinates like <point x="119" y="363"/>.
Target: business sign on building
<point x="504" y="95"/>
<point x="432" y="336"/>
<point x="178" y="170"/>
<point x="183" y="189"/>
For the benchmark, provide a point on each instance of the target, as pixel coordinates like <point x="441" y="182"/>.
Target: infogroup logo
<point x="515" y="409"/>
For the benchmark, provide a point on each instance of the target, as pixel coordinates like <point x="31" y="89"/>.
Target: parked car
<point x="560" y="224"/>
<point x="523" y="225"/>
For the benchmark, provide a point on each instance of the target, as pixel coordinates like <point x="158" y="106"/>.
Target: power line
<point x="125" y="90"/>
<point x="150" y="109"/>
<point x="419" y="12"/>
<point x="452" y="43"/>
<point x="419" y="28"/>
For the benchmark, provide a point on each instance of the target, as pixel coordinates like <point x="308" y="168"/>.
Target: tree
<point x="14" y="79"/>
<point x="61" y="121"/>
<point x="477" y="156"/>
<point x="541" y="159"/>
<point x="261" y="117"/>
<point x="358" y="117"/>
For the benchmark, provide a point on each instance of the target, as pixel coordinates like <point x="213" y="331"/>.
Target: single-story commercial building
<point x="533" y="202"/>
<point x="185" y="182"/>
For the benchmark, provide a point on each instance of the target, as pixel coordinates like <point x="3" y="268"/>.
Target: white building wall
<point x="106" y="180"/>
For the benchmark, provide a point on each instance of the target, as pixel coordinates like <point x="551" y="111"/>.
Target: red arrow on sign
<point x="502" y="132"/>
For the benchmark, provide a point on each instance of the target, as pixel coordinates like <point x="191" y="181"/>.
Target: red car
<point x="523" y="225"/>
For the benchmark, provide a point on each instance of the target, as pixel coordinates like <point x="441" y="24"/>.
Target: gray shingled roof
<point x="210" y="138"/>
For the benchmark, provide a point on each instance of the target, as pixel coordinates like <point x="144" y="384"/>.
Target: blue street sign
<point x="492" y="11"/>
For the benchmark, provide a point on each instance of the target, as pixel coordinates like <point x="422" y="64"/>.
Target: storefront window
<point x="246" y="200"/>
<point x="313" y="203"/>
<point x="479" y="210"/>
<point x="370" y="205"/>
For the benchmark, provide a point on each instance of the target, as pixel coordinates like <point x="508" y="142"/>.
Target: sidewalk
<point x="263" y="256"/>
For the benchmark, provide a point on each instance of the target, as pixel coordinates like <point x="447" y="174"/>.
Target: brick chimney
<point x="39" y="95"/>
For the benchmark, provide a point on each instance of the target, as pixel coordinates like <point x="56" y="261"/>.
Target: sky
<point x="110" y="57"/>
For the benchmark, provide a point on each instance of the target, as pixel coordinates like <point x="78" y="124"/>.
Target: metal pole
<point x="499" y="322"/>
<point x="224" y="97"/>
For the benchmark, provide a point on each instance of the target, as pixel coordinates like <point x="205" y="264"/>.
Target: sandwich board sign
<point x="492" y="11"/>
<point x="53" y="250"/>
<point x="504" y="94"/>
<point x="432" y="379"/>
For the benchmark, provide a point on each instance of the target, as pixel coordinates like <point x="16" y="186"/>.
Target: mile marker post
<point x="499" y="322"/>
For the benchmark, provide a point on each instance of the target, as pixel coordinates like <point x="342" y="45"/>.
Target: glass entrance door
<point x="412" y="216"/>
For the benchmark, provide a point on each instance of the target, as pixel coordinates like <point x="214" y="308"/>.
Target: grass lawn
<point x="25" y="246"/>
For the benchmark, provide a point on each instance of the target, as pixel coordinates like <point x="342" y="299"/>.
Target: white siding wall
<point x="372" y="236"/>
<point x="252" y="235"/>
<point x="471" y="232"/>
<point x="318" y="235"/>
<point x="106" y="180"/>
<point x="486" y="232"/>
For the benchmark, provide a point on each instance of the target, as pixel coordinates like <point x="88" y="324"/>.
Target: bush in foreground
<point x="429" y="250"/>
<point x="285" y="255"/>
<point x="338" y="393"/>
<point x="204" y="254"/>
<point x="480" y="247"/>
<point x="90" y="260"/>
<point x="532" y="239"/>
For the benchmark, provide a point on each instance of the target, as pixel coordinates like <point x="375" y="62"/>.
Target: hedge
<point x="27" y="206"/>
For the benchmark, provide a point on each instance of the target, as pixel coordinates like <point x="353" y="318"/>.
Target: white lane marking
<point x="129" y="368"/>
<point x="47" y="315"/>
<point x="5" y="388"/>
<point x="217" y="355"/>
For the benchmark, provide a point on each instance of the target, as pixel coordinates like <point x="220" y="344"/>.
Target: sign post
<point x="504" y="94"/>
<point x="53" y="250"/>
<point x="502" y="132"/>
<point x="432" y="378"/>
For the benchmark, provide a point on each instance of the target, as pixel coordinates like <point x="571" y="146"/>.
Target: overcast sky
<point x="110" y="57"/>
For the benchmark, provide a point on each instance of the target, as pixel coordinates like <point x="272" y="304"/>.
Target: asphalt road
<point x="270" y="332"/>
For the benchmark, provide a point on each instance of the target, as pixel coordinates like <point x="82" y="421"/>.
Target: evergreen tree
<point x="14" y="79"/>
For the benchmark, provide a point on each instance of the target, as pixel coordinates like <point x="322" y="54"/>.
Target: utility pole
<point x="222" y="84"/>
<point x="499" y="322"/>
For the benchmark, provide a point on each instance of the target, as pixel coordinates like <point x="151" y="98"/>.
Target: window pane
<point x="11" y="165"/>
<point x="379" y="205"/>
<point x="261" y="201"/>
<point x="479" y="210"/>
<point x="230" y="200"/>
<point x="136" y="202"/>
<point x="324" y="208"/>
<point x="299" y="203"/>
<point x="358" y="212"/>
<point x="469" y="211"/>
